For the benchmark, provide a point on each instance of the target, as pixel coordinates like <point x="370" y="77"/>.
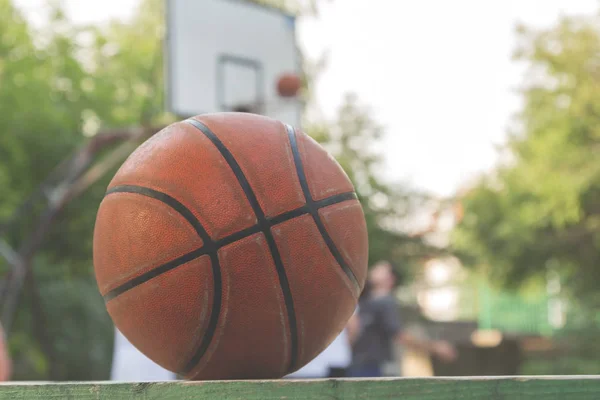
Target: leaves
<point x="541" y="211"/>
<point x="56" y="86"/>
<point x="388" y="208"/>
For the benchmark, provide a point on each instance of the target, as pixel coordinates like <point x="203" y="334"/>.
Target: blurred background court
<point x="470" y="129"/>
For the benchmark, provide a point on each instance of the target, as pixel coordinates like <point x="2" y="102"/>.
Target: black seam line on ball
<point x="314" y="210"/>
<point x="266" y="230"/>
<point x="171" y="202"/>
<point x="208" y="248"/>
<point x="212" y="323"/>
<point x="130" y="284"/>
<point x="239" y="235"/>
<point x="204" y="250"/>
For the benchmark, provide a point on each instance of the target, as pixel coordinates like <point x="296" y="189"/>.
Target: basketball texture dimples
<point x="230" y="246"/>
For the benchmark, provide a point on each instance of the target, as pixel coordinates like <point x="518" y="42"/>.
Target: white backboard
<point x="225" y="54"/>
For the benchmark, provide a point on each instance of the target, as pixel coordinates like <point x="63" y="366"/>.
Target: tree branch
<point x="78" y="176"/>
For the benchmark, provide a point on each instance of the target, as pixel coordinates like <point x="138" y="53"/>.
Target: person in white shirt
<point x="131" y="365"/>
<point x="330" y="363"/>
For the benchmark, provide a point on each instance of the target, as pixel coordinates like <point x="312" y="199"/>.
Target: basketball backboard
<point x="227" y="55"/>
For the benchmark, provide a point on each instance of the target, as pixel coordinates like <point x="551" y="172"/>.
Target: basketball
<point x="230" y="246"/>
<point x="288" y="85"/>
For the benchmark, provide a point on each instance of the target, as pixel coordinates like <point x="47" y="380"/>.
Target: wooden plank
<point x="471" y="388"/>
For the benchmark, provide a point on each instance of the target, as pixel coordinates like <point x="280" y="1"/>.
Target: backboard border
<point x="222" y="59"/>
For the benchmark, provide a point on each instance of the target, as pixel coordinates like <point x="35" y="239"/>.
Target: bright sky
<point x="437" y="74"/>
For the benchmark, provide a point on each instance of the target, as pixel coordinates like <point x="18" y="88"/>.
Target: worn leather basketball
<point x="230" y="246"/>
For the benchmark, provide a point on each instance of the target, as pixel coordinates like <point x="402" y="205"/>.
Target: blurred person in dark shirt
<point x="376" y="326"/>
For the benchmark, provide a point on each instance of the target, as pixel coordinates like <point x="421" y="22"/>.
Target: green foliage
<point x="55" y="85"/>
<point x="350" y="138"/>
<point x="540" y="211"/>
<point x="577" y="347"/>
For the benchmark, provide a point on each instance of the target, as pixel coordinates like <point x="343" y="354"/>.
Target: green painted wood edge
<point x="470" y="388"/>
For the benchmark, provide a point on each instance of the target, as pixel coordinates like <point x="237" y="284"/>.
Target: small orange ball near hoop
<point x="288" y="85"/>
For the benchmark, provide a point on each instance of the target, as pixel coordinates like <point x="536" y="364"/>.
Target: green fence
<point x="513" y="312"/>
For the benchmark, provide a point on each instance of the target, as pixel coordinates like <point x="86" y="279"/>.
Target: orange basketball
<point x="288" y="85"/>
<point x="230" y="246"/>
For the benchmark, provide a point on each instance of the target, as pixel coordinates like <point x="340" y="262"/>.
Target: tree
<point x="388" y="208"/>
<point x="58" y="86"/>
<point x="541" y="210"/>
